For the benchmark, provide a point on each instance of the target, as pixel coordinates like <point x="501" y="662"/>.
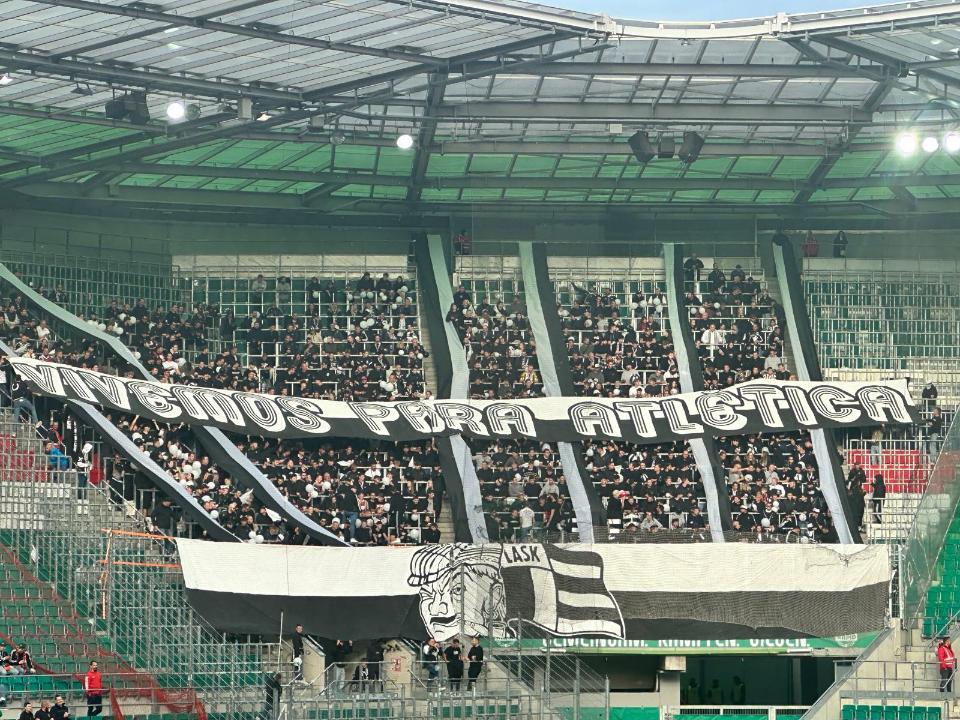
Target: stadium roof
<point x="512" y="105"/>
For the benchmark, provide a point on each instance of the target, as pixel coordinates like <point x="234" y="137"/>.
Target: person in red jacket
<point x="948" y="665"/>
<point x="93" y="689"/>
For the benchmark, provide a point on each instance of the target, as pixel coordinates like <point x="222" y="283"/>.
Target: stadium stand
<point x="374" y="495"/>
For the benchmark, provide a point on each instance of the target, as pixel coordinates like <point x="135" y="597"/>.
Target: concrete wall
<point x="616" y="234"/>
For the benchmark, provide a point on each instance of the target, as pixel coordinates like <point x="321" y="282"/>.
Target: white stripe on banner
<point x="547" y="358"/>
<point x="585" y="600"/>
<point x="545" y="597"/>
<point x="700" y="455"/>
<point x="566" y="626"/>
<point x="584" y="572"/>
<point x="829" y="484"/>
<point x="459" y="389"/>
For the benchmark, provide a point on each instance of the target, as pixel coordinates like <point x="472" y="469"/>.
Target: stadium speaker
<point x="690" y="147"/>
<point x="642" y="148"/>
<point x="114" y="109"/>
<point x="666" y="147"/>
<point x="132" y="107"/>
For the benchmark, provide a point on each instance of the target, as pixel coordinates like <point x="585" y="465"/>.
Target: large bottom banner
<point x="642" y="591"/>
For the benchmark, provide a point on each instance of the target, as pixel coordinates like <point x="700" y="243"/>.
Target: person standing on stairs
<point x="948" y="665"/>
<point x="297" y="641"/>
<point x="454" y="657"/>
<point x="93" y="689"/>
<point x="879" y="493"/>
<point x="475" y="656"/>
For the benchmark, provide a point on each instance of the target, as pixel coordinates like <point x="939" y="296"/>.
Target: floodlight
<point x="906" y="143"/>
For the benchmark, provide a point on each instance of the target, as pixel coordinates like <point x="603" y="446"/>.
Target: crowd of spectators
<point x="358" y="340"/>
<point x="616" y="347"/>
<point x="363" y="345"/>
<point x="621" y="347"/>
<point x="521" y="480"/>
<point x="772" y="479"/>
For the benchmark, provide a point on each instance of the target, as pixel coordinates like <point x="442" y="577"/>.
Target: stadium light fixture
<point x="951" y="142"/>
<point x="176" y="110"/>
<point x="906" y="143"/>
<point x="405" y="141"/>
<point x="641" y="147"/>
<point x="131" y="107"/>
<point x="930" y="144"/>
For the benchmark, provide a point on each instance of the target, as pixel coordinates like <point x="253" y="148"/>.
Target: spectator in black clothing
<point x="375" y="664"/>
<point x="879" y="493"/>
<point x="59" y="711"/>
<point x="44" y="712"/>
<point x="361" y="677"/>
<point x="840" y="243"/>
<point x="297" y="641"/>
<point x="855" y="494"/>
<point x="27" y="713"/>
<point x="475" y="656"/>
<point x="929" y="395"/>
<point x="338" y="658"/>
<point x="164" y="517"/>
<point x="454" y="657"/>
<point x="692" y="267"/>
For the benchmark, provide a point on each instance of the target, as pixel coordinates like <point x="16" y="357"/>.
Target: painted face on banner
<point x="461" y="590"/>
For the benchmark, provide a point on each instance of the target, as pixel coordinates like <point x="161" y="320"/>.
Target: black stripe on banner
<point x="681" y="332"/>
<point x="812" y="613"/>
<point x="561" y="362"/>
<point x="355" y="618"/>
<point x="808" y="353"/>
<point x="451" y="482"/>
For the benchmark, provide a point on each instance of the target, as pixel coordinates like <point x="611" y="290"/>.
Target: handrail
<point x="837" y="684"/>
<point x="929" y="504"/>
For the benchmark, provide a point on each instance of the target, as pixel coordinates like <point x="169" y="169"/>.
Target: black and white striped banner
<point x="636" y="591"/>
<point x="754" y="407"/>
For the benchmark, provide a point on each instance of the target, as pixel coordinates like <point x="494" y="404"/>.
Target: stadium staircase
<point x="445" y="523"/>
<point x="898" y="675"/>
<point x="86" y="582"/>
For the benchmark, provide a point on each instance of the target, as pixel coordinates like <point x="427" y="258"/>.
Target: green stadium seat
<point x="847" y="712"/>
<point x="862" y="712"/>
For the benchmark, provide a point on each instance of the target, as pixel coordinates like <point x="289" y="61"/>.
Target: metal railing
<point x="85" y="543"/>
<point x="89" y="284"/>
<point x="934" y="515"/>
<point x="767" y="712"/>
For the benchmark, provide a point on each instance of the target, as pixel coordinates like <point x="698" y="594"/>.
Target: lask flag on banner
<point x="613" y="591"/>
<point x="755" y="407"/>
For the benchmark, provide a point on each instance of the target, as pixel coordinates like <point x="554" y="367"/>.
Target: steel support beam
<point x="637" y="112"/>
<point x="719" y="70"/>
<point x="817" y="178"/>
<point x="458" y="63"/>
<point x="148" y="79"/>
<point x="428" y="128"/>
<point x="540" y="183"/>
<point x="619" y="147"/>
<point x="140" y="34"/>
<point x="203" y="23"/>
<point x="898" y="66"/>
